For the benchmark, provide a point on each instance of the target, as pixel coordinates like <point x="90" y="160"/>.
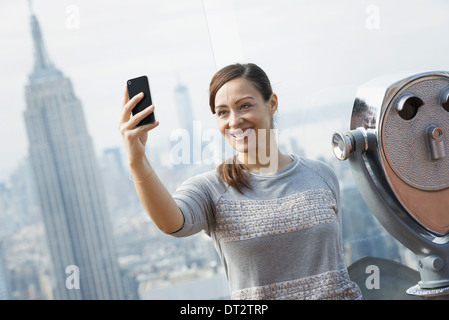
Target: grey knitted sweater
<point x="281" y="239"/>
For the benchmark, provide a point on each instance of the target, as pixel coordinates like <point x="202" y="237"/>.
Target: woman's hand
<point x="134" y="137"/>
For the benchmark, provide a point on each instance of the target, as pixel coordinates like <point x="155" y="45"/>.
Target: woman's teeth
<point x="242" y="135"/>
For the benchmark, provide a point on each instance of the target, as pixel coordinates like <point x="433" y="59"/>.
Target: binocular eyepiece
<point x="397" y="147"/>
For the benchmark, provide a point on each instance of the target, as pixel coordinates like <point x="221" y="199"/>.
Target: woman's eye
<point x="221" y="113"/>
<point x="245" y="106"/>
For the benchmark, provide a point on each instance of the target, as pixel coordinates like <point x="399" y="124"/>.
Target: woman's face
<point x="242" y="112"/>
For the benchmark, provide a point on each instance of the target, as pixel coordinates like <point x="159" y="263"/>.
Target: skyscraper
<point x="68" y="182"/>
<point x="185" y="116"/>
<point x="184" y="107"/>
<point x="4" y="285"/>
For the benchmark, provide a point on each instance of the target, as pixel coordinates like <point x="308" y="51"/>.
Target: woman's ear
<point x="273" y="103"/>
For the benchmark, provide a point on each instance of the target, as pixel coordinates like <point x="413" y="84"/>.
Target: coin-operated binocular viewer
<point x="398" y="149"/>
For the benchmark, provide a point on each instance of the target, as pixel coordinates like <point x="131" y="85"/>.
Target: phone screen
<point x="135" y="86"/>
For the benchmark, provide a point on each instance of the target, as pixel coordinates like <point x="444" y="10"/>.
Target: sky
<point x="315" y="52"/>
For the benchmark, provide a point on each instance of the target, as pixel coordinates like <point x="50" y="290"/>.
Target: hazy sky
<point x="315" y="52"/>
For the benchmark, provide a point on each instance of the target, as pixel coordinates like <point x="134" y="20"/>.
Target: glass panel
<point x="316" y="55"/>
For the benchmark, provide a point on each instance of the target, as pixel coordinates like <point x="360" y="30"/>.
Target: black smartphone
<point x="135" y="86"/>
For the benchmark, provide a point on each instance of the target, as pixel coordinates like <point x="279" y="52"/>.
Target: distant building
<point x="68" y="183"/>
<point x="184" y="108"/>
<point x="120" y="192"/>
<point x="5" y="293"/>
<point x="184" y="113"/>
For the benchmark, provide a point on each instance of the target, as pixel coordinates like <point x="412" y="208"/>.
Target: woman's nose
<point x="234" y="119"/>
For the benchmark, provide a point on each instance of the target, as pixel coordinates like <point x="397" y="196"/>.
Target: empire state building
<point x="68" y="180"/>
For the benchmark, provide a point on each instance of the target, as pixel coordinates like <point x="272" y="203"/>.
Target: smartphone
<point x="135" y="86"/>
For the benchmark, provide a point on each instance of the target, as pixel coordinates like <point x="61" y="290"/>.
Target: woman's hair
<point x="237" y="174"/>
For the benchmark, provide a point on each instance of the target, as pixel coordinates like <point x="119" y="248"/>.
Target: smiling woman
<point x="242" y="98"/>
<point x="278" y="232"/>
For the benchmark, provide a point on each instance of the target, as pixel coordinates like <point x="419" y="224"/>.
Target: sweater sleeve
<point x="331" y="179"/>
<point x="327" y="173"/>
<point x="195" y="202"/>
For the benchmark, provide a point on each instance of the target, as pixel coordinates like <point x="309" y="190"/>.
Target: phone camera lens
<point x="129" y="82"/>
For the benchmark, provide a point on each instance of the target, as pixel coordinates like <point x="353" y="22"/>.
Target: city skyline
<point x="68" y="184"/>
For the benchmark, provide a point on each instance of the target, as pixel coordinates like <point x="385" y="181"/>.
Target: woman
<point x="274" y="217"/>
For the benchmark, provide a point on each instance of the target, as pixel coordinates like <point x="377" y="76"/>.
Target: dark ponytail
<point x="236" y="174"/>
